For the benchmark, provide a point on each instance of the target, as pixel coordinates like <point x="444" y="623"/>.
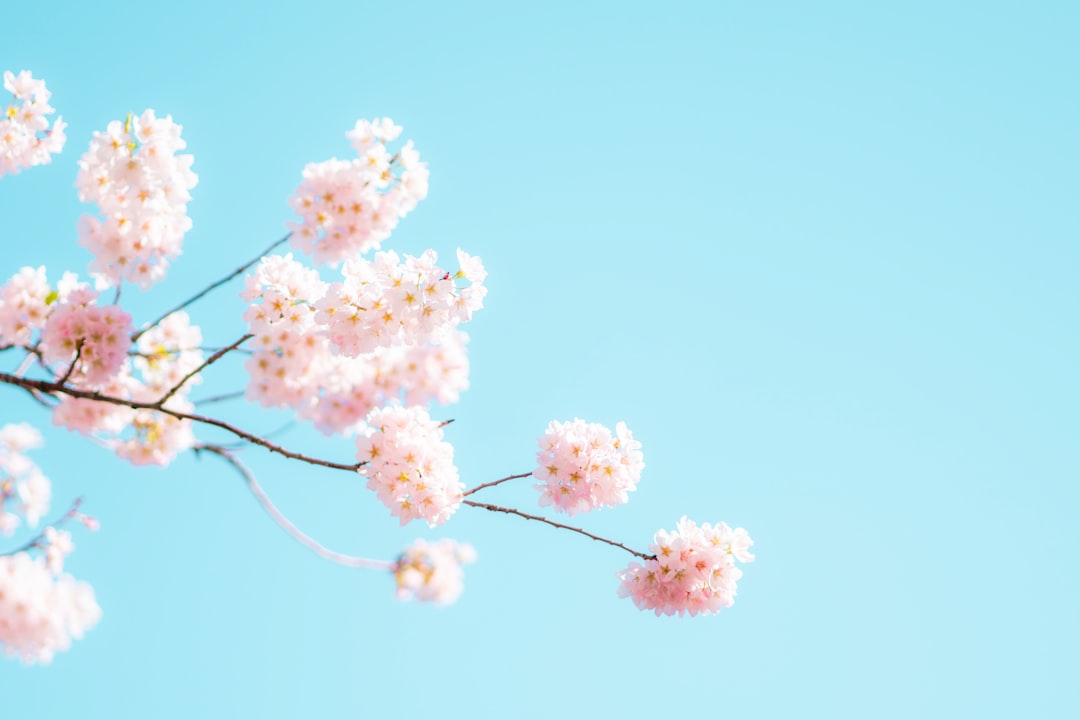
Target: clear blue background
<point x="821" y="257"/>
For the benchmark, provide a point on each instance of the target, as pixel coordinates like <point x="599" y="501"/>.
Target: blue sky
<point x="821" y="258"/>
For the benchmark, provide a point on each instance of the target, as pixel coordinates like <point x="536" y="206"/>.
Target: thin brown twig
<point x="493" y="483"/>
<point x="513" y="511"/>
<point x="285" y="524"/>
<point x="53" y="388"/>
<point x="209" y="361"/>
<point x="74" y="362"/>
<point x="36" y="541"/>
<point x="211" y="286"/>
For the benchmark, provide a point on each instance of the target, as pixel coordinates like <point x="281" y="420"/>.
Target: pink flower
<point x="25" y="136"/>
<point x="24" y="489"/>
<point x="409" y="466"/>
<point x="692" y="571"/>
<point x="388" y="301"/>
<point x="348" y="207"/>
<point x="24" y="305"/>
<point x="431" y="571"/>
<point x="95" y="338"/>
<point x="168" y="352"/>
<point x="41" y="611"/>
<point x="141" y="186"/>
<point x="581" y="466"/>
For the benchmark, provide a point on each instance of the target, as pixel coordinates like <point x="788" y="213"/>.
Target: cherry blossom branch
<point x="74" y="362"/>
<point x="36" y="541"/>
<point x="238" y="271"/>
<point x="513" y="511"/>
<point x="209" y="361"/>
<point x="493" y="483"/>
<point x="284" y="523"/>
<point x="54" y="388"/>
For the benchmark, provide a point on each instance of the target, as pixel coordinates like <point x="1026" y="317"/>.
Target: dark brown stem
<point x="74" y="362"/>
<point x="537" y="518"/>
<point x="209" y="361"/>
<point x="238" y="271"/>
<point x="284" y="523"/>
<point x="493" y="483"/>
<point x="53" y="388"/>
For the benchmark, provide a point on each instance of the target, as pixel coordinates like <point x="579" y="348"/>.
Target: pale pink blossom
<point x="24" y="305"/>
<point x="288" y="347"/>
<point x="296" y="364"/>
<point x="92" y="417"/>
<point x="348" y="207"/>
<point x="693" y="570"/>
<point x="24" y="489"/>
<point x="140" y="436"/>
<point x="582" y="466"/>
<point x="41" y="611"/>
<point x="141" y="186"/>
<point x="388" y="301"/>
<point x="344" y="390"/>
<point x="431" y="571"/>
<point x="25" y="136"/>
<point x="409" y="466"/>
<point x="58" y="545"/>
<point x="169" y="351"/>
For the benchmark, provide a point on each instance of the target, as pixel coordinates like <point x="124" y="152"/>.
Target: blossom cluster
<point x="23" y="487"/>
<point x="431" y="571"/>
<point x="409" y="465"/>
<point x="582" y="466"/>
<point x="348" y="207"/>
<point x="692" y="571"/>
<point x="344" y="390"/>
<point x="42" y="610"/>
<point x="141" y="187"/>
<point x="297" y="364"/>
<point x="90" y="345"/>
<point x="92" y="339"/>
<point x="388" y="301"/>
<point x="163" y="357"/>
<point x="24" y="304"/>
<point x="25" y="136"/>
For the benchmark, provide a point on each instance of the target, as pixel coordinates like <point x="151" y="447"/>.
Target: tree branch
<point x="493" y="483"/>
<point x="238" y="271"/>
<point x="54" y="388"/>
<point x="35" y="542"/>
<point x="210" y="360"/>
<point x="284" y="523"/>
<point x="512" y="511"/>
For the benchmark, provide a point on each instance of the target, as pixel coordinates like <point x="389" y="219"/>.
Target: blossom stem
<point x="74" y="362"/>
<point x="513" y="511"/>
<point x="210" y="360"/>
<point x="493" y="483"/>
<point x="284" y="523"/>
<point x="238" y="271"/>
